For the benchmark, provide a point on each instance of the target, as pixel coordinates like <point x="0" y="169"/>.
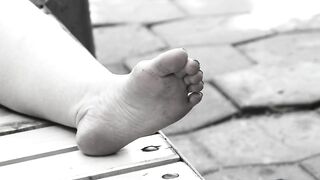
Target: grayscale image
<point x="160" y="89"/>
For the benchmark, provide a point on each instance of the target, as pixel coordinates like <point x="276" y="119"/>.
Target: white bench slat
<point x="35" y="143"/>
<point x="73" y="165"/>
<point x="180" y="168"/>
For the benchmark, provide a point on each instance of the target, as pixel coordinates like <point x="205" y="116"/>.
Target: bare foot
<point x="156" y="94"/>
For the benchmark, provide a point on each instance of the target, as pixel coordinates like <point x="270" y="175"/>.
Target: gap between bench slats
<point x="179" y="170"/>
<point x="34" y="144"/>
<point x="72" y="165"/>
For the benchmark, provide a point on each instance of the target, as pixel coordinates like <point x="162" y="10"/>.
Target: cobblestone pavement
<point x="260" y="117"/>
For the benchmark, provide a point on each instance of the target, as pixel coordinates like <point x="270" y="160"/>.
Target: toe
<point x="195" y="98"/>
<point x="196" y="87"/>
<point x="172" y="61"/>
<point x="190" y="68"/>
<point x="194" y="79"/>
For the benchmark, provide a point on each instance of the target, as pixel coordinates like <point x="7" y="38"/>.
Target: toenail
<point x="197" y="61"/>
<point x="200" y="93"/>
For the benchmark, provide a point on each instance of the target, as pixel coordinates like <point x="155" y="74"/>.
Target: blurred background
<point x="259" y="117"/>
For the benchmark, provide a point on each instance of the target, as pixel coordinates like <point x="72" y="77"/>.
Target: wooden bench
<point x="36" y="149"/>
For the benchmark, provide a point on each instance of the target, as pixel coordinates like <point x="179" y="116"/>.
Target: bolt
<point x="150" y="148"/>
<point x="170" y="176"/>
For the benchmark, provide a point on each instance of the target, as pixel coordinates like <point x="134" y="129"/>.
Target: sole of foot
<point x="155" y="94"/>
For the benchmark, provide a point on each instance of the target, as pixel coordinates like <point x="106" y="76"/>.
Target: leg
<point x="45" y="73"/>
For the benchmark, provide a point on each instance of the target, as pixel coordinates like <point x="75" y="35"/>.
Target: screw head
<point x="170" y="176"/>
<point x="150" y="148"/>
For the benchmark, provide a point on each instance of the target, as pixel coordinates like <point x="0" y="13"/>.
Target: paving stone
<point x="204" y="31"/>
<point x="217" y="7"/>
<point x="116" y="43"/>
<point x="214" y="59"/>
<point x="117" y="68"/>
<point x="312" y="23"/>
<point x="285" y="49"/>
<point x="212" y="108"/>
<point x="218" y="60"/>
<point x="241" y="142"/>
<point x="299" y="131"/>
<point x="137" y="11"/>
<point x="265" y="86"/>
<point x="312" y="165"/>
<point x="272" y="172"/>
<point x="14" y="122"/>
<point x="195" y="154"/>
<point x="132" y="61"/>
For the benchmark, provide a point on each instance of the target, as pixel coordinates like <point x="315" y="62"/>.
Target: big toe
<point x="169" y="62"/>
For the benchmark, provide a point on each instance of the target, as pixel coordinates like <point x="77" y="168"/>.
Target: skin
<point x="46" y="73"/>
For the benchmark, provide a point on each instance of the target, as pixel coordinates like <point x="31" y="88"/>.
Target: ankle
<point x="90" y="95"/>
